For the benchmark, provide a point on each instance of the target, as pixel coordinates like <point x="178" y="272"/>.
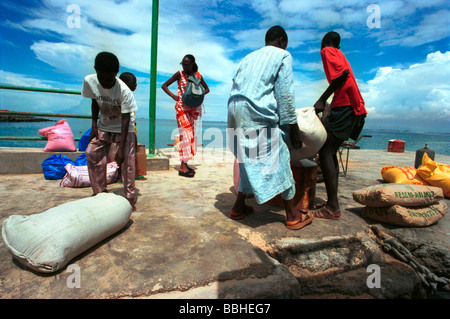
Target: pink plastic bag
<point x="78" y="176"/>
<point x="60" y="137"/>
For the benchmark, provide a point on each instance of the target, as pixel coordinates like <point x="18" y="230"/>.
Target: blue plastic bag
<point x="84" y="140"/>
<point x="54" y="166"/>
<point x="81" y="160"/>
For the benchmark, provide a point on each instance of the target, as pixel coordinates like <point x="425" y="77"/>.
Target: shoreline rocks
<point x="21" y="118"/>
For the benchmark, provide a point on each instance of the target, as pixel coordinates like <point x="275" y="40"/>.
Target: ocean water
<point x="213" y="135"/>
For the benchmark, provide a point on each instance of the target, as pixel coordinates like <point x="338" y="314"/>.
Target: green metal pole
<point x="153" y="74"/>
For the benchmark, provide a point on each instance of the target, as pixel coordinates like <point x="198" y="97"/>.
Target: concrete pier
<point x="17" y="160"/>
<point x="180" y="243"/>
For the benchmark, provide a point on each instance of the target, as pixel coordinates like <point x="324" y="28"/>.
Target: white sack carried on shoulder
<point x="47" y="241"/>
<point x="312" y="131"/>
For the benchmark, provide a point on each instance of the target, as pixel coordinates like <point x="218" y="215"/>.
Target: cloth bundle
<point x="78" y="176"/>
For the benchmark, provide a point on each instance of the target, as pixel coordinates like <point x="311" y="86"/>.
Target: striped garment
<point x="97" y="154"/>
<point x="186" y="119"/>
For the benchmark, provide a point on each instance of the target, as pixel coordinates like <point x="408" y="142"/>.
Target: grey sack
<point x="194" y="92"/>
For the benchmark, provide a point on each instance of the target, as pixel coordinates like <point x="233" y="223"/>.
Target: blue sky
<point x="402" y="65"/>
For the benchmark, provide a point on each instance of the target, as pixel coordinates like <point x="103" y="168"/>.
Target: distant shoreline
<point x="21" y="118"/>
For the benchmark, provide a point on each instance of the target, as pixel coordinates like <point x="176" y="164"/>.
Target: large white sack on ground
<point x="312" y="132"/>
<point x="47" y="241"/>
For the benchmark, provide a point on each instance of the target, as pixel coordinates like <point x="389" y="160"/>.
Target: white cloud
<point x="309" y="66"/>
<point x="404" y="26"/>
<point x="28" y="101"/>
<point x="250" y="39"/>
<point x="308" y="91"/>
<point x="432" y="28"/>
<point x="421" y="91"/>
<point x="199" y="28"/>
<point x="10" y="78"/>
<point x="128" y="36"/>
<point x="403" y="22"/>
<point x="66" y="57"/>
<point x="104" y="26"/>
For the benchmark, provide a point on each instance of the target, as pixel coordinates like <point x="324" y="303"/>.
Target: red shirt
<point x="334" y="64"/>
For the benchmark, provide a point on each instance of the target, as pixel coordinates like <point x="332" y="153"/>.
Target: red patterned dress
<point x="186" y="119"/>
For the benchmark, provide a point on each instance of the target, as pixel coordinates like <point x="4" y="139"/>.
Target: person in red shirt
<point x="346" y="118"/>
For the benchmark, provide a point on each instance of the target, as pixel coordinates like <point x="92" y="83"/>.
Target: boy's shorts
<point x="343" y="123"/>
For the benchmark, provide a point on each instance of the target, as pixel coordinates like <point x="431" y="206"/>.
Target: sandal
<point x="320" y="205"/>
<point x="326" y="213"/>
<point x="237" y="216"/>
<point x="186" y="174"/>
<point x="190" y="169"/>
<point x="306" y="219"/>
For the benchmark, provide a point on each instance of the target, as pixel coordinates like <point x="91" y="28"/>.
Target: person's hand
<point x="94" y="133"/>
<point x="175" y="97"/>
<point x="119" y="157"/>
<point x="319" y="106"/>
<point x="296" y="138"/>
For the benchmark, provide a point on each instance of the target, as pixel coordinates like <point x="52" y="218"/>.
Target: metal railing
<point x="24" y="88"/>
<point x="153" y="78"/>
<point x="41" y="138"/>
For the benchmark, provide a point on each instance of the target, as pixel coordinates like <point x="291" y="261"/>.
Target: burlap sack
<point x="384" y="195"/>
<point x="407" y="216"/>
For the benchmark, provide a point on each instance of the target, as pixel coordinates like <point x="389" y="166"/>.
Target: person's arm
<point x="120" y="155"/>
<point x="95" y="111"/>
<point x="284" y="91"/>
<point x="205" y="86"/>
<point x="166" y="85"/>
<point x="334" y="85"/>
<point x="294" y="134"/>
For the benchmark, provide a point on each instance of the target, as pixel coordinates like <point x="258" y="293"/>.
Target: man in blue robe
<point x="261" y="110"/>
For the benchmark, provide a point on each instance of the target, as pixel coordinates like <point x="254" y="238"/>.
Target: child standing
<point x="345" y="121"/>
<point x="130" y="80"/>
<point x="113" y="119"/>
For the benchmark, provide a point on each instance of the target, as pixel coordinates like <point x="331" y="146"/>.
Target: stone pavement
<point x="180" y="242"/>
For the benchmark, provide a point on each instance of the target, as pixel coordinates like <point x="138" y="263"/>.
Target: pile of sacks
<point x="61" y="167"/>
<point x="74" y="174"/>
<point x="429" y="173"/>
<point x="402" y="204"/>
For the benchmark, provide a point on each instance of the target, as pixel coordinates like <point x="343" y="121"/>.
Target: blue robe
<point x="261" y="105"/>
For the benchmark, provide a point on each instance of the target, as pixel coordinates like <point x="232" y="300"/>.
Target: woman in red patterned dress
<point x="186" y="116"/>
